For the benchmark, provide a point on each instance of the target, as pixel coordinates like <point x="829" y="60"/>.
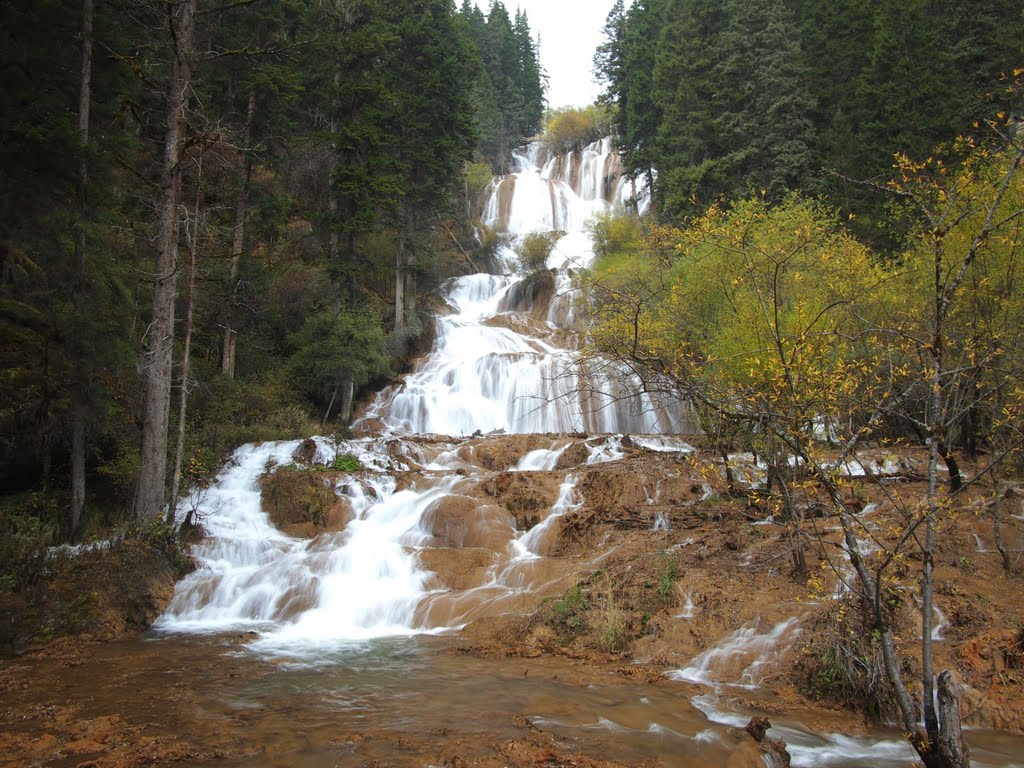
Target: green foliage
<point x="842" y="662"/>
<point x="533" y="251"/>
<point x="668" y="572"/>
<point x="294" y="495"/>
<point x="568" y="614"/>
<point x="571" y="128"/>
<point x="716" y="100"/>
<point x="342" y="128"/>
<point x="335" y="351"/>
<point x="346" y="462"/>
<point x="615" y="237"/>
<point x="477" y="176"/>
<point x="28" y="524"/>
<point x="745" y="309"/>
<point x="508" y="87"/>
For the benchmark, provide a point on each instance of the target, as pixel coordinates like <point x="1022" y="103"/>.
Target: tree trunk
<point x="997" y="530"/>
<point x="150" y="494"/>
<point x="190" y="283"/>
<point x="794" y="534"/>
<point x="953" y="752"/>
<point x="330" y="406"/>
<point x="873" y="597"/>
<point x="80" y="380"/>
<point x="400" y="282"/>
<point x="348" y="390"/>
<point x="955" y="480"/>
<point x="238" y="242"/>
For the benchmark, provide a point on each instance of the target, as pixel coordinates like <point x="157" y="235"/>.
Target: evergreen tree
<point x="687" y="147"/>
<point x="529" y="80"/>
<point x="764" y="115"/>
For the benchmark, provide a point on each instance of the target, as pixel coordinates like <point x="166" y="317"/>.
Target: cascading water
<point x="500" y="363"/>
<point x="486" y="372"/>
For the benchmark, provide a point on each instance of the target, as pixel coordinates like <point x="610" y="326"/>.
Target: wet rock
<point x="573" y="456"/>
<point x="306" y="451"/>
<point x="457" y="568"/>
<point x="755" y="749"/>
<point x="303" y="503"/>
<point x="461" y="521"/>
<point x="527" y="495"/>
<point x="103" y="593"/>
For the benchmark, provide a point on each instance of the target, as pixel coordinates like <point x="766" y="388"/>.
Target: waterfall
<point x="487" y="372"/>
<point x="501" y="361"/>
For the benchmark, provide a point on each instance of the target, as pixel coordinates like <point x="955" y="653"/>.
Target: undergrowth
<point x="842" y="662"/>
<point x="568" y="614"/>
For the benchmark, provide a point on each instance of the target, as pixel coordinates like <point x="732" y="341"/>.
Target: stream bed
<point x="413" y="701"/>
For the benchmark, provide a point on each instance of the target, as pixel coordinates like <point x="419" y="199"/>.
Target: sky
<point x="570" y="31"/>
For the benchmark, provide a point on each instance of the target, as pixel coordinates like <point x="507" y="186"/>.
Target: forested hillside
<point x="718" y="99"/>
<point x="234" y="207"/>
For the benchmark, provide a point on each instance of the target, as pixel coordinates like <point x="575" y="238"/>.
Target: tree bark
<point x="952" y="748"/>
<point x="955" y="479"/>
<point x="997" y="530"/>
<point x="79" y="398"/>
<point x="873" y="596"/>
<point x="400" y="282"/>
<point x="190" y="282"/>
<point x="348" y="390"/>
<point x="238" y="242"/>
<point x="150" y="494"/>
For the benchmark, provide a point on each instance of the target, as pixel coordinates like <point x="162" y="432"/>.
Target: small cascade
<point x="939" y="623"/>
<point x="541" y="459"/>
<point x="352" y="585"/>
<point x="688" y="607"/>
<point x="741" y="656"/>
<point x="532" y="544"/>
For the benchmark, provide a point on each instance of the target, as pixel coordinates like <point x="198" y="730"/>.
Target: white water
<point x="366" y="582"/>
<point x="302" y="592"/>
<point x="485" y="372"/>
<point x="747" y="650"/>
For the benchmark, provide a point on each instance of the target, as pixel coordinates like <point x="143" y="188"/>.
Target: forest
<point x="231" y="223"/>
<point x="726" y="99"/>
<point x="832" y="262"/>
<point x="218" y="223"/>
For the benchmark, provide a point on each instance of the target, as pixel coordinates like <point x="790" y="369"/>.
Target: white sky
<point x="570" y="31"/>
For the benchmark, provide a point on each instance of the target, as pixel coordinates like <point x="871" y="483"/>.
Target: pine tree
<point x="764" y="122"/>
<point x="687" y="148"/>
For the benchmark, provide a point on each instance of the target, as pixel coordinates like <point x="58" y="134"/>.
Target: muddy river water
<point x="404" y="702"/>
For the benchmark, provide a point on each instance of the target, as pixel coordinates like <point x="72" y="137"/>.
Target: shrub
<point x="573" y="127"/>
<point x="346" y="462"/>
<point x="533" y="251"/>
<point x="610" y="624"/>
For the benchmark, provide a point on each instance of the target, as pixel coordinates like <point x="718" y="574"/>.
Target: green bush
<point x="568" y="613"/>
<point x="573" y="127"/>
<point x="667" y="582"/>
<point x="26" y="531"/>
<point x="346" y="462"/>
<point x="533" y="251"/>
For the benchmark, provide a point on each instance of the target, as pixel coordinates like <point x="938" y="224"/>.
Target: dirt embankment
<point x="659" y="559"/>
<point x="101" y="592"/>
